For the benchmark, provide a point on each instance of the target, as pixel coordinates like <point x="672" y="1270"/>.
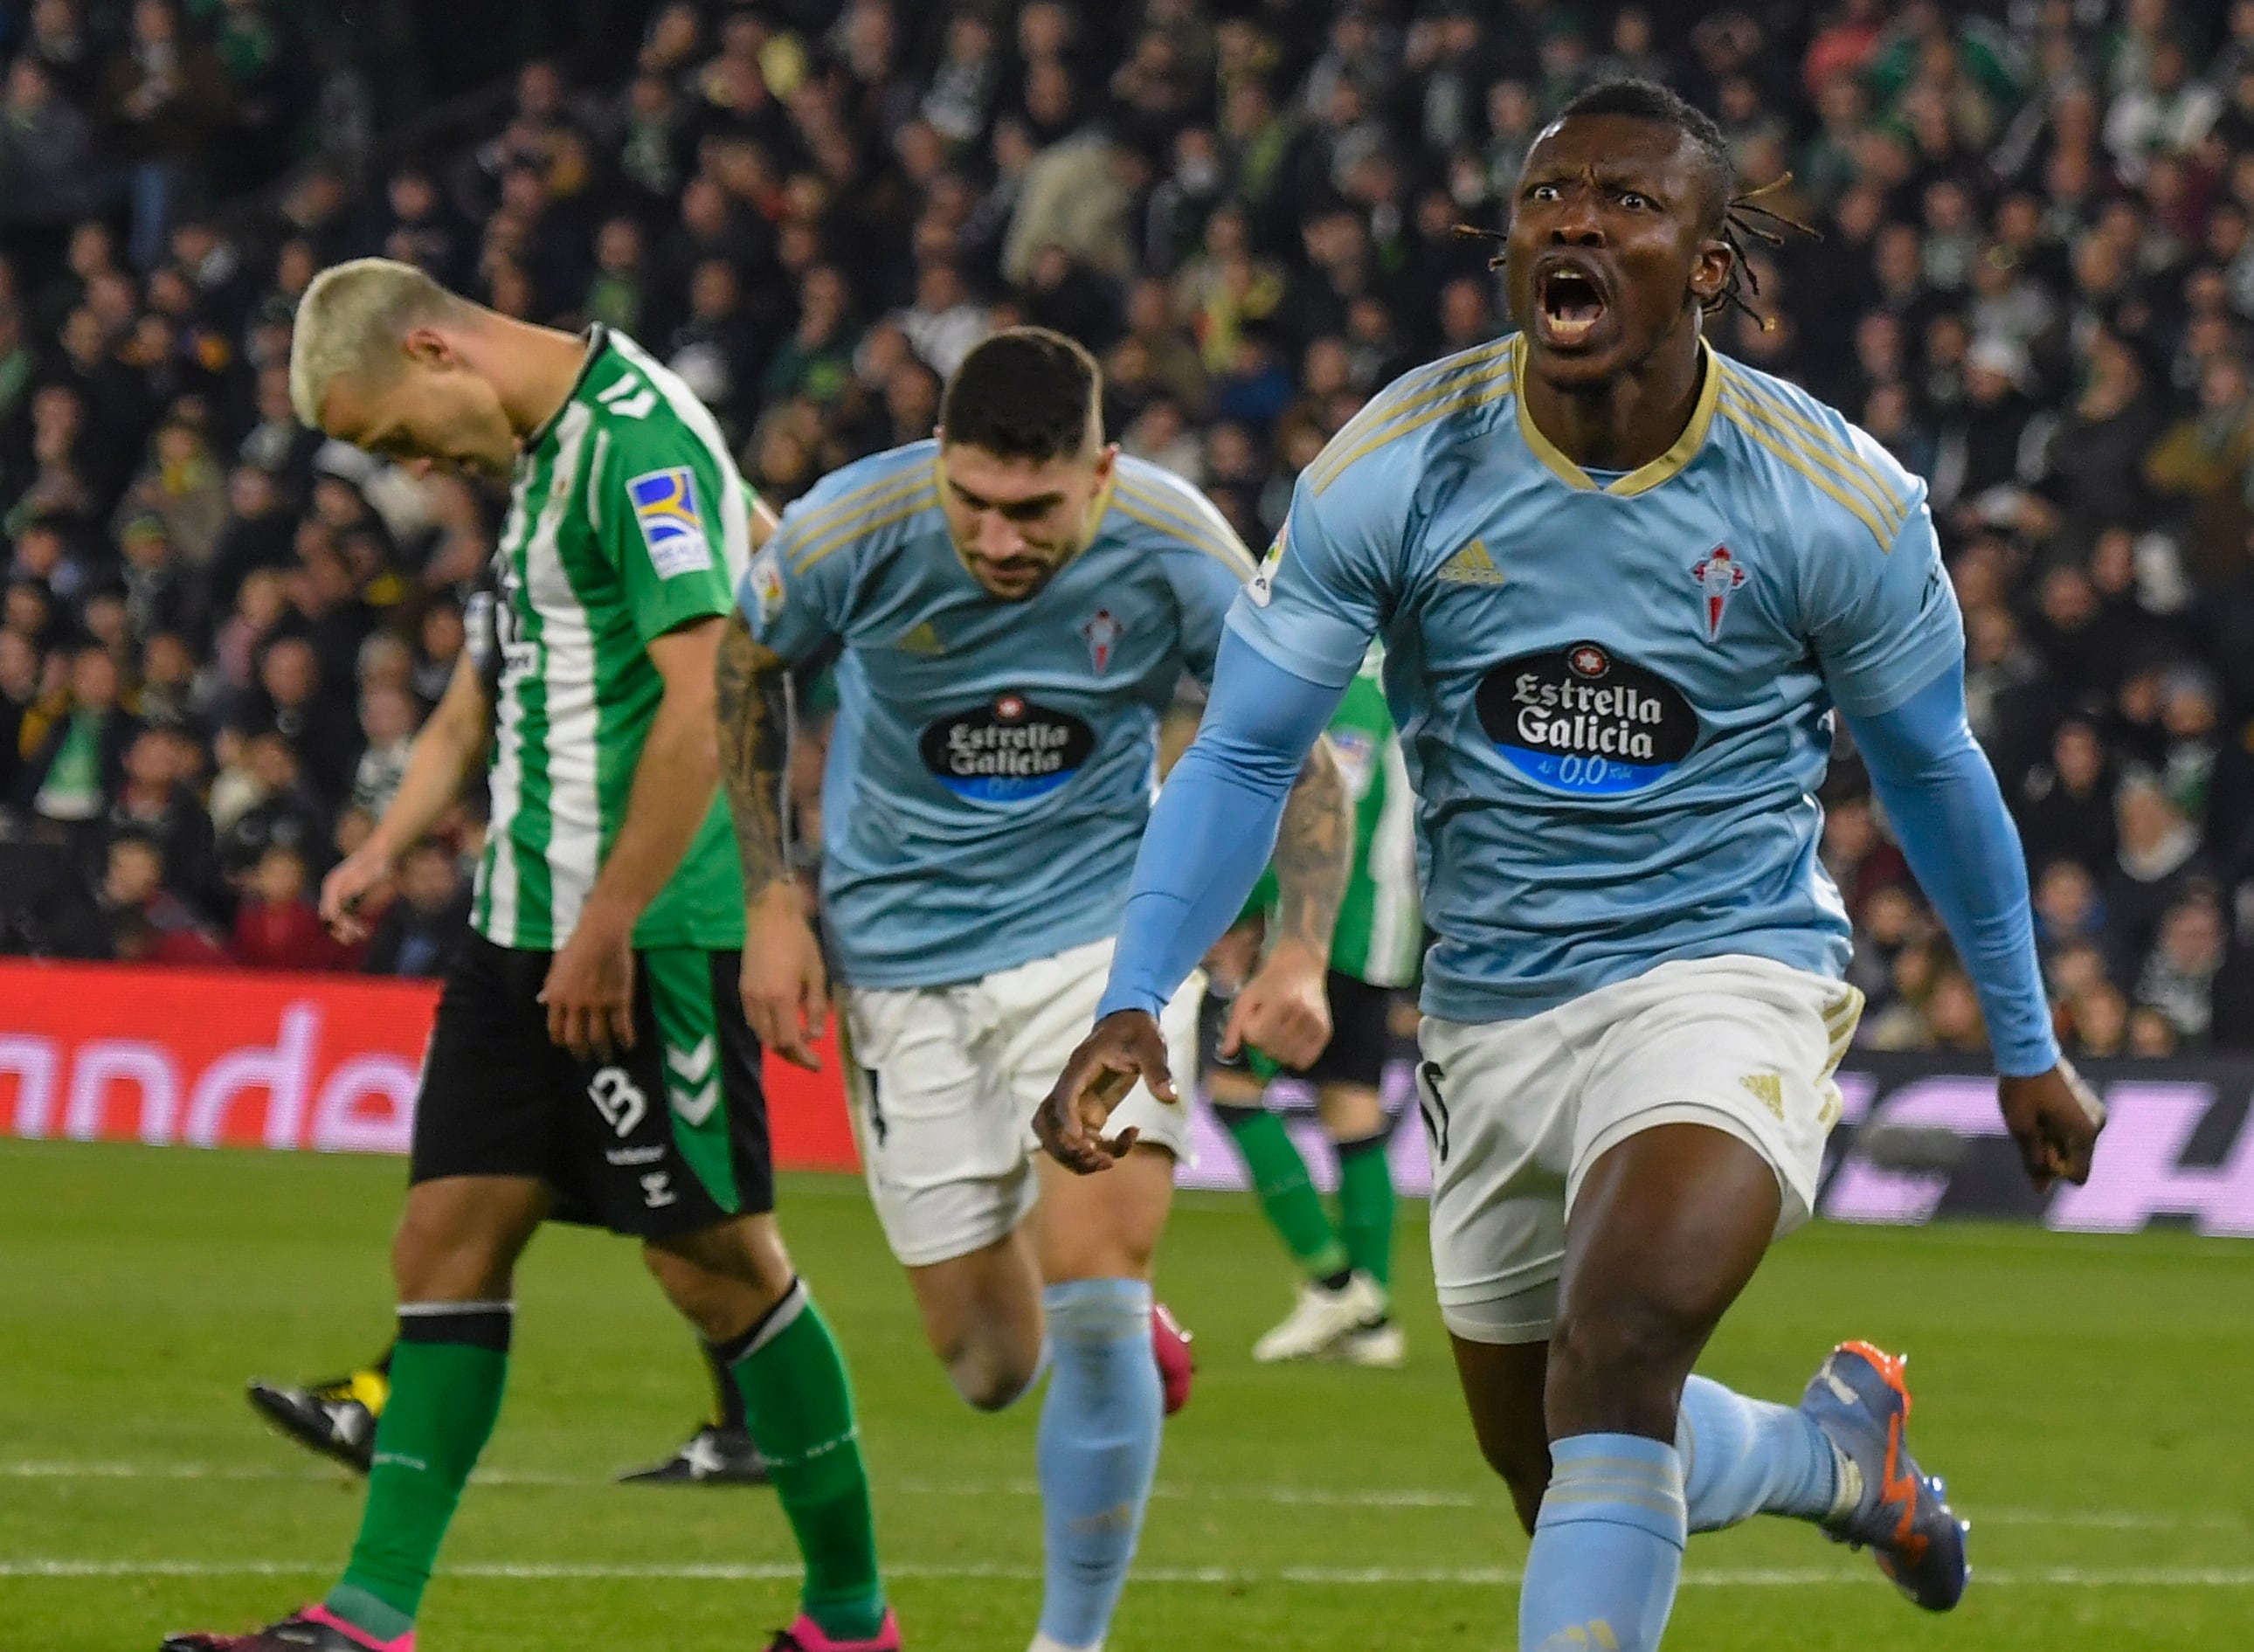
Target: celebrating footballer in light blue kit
<point x="1016" y="605"/>
<point x="1616" y="693"/>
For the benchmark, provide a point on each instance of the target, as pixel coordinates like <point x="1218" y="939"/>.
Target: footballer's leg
<point x="479" y="1172"/>
<point x="1101" y="1421"/>
<point x="734" y="1282"/>
<point x="1354" y="1116"/>
<point x="691" y="1172"/>
<point x="453" y="1262"/>
<point x="1332" y="1303"/>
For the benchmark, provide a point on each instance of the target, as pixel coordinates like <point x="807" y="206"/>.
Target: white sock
<point x="1042" y="1643"/>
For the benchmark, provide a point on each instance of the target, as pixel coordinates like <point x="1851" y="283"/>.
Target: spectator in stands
<point x="2065" y="805"/>
<point x="419" y="931"/>
<point x="145" y="922"/>
<point x="276" y="928"/>
<point x="2157" y="864"/>
<point x="289" y="702"/>
<point x="2177" y="979"/>
<point x="70" y="777"/>
<point x="158" y="805"/>
<point x="388" y="720"/>
<point x="264" y="804"/>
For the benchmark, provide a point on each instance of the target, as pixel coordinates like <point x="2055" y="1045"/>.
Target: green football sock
<point x="799" y="1404"/>
<point x="447" y="1372"/>
<point x="1279" y="1176"/>
<point x="1366" y="1206"/>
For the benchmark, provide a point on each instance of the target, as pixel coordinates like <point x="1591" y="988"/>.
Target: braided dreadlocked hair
<point x="1737" y="217"/>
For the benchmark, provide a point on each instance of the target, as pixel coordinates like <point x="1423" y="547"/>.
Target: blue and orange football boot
<point x="1861" y="1401"/>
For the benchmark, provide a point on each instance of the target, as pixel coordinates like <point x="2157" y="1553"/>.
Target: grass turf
<point x="2084" y="1396"/>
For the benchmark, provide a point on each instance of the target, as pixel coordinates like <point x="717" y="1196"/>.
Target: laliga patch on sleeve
<point x="665" y="504"/>
<point x="763" y="586"/>
<point x="1263" y="586"/>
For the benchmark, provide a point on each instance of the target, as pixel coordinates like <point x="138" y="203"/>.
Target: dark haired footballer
<point x="1015" y="604"/>
<point x="1688" y="572"/>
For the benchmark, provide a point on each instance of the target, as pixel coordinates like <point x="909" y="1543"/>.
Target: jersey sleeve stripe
<point x="1215" y="537"/>
<point x="596" y="470"/>
<point x="1853" y="504"/>
<point x="1787" y="420"/>
<point x="1172" y="528"/>
<point x="880" y="511"/>
<point x="1496" y="384"/>
<point x="1379" y="421"/>
<point x="1192" y="500"/>
<point x="819" y="518"/>
<point x="1384" y="405"/>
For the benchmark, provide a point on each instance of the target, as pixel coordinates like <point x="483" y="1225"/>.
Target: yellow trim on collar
<point x="1644" y="478"/>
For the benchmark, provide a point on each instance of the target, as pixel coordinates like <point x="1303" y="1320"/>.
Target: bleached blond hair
<point x="351" y="324"/>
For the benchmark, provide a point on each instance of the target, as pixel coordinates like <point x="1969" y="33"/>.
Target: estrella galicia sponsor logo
<point x="1012" y="751"/>
<point x="1582" y="719"/>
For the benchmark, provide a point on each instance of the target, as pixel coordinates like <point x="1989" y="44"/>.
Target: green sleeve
<point x="666" y="506"/>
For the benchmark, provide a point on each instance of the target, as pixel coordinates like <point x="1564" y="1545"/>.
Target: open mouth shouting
<point x="1569" y="303"/>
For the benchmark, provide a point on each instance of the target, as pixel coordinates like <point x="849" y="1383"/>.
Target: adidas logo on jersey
<point x="920" y="639"/>
<point x="1472" y="566"/>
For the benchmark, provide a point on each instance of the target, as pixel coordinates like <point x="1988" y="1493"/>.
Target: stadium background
<point x="2035" y="285"/>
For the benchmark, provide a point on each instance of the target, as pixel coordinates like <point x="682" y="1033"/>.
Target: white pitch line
<point x="1477" y="1577"/>
<point x="1286" y="1496"/>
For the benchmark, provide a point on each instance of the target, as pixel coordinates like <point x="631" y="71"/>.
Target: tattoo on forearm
<point x="752" y="694"/>
<point x="1314" y="851"/>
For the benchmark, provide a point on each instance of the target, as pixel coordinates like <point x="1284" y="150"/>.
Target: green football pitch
<point x="2088" y="1398"/>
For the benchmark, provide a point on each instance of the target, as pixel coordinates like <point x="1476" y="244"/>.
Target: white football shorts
<point x="942" y="1081"/>
<point x="1516" y="1112"/>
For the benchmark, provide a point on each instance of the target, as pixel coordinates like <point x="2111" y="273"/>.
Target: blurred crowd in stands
<point x="2034" y="284"/>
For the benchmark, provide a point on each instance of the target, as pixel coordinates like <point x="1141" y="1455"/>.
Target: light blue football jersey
<point x="993" y="762"/>
<point x="1615" y="694"/>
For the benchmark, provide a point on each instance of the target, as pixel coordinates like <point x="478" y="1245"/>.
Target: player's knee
<point x="1620" y="1366"/>
<point x="436" y="1257"/>
<point x="988" y="1376"/>
<point x="721" y="1280"/>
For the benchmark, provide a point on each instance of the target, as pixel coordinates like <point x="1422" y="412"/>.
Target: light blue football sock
<point x="1607" y="1547"/>
<point x="1742" y="1458"/>
<point x="1097" y="1451"/>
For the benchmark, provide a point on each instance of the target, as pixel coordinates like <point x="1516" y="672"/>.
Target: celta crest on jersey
<point x="1718" y="573"/>
<point x="665" y="505"/>
<point x="1010" y="751"/>
<point x="1103" y="633"/>
<point x="1582" y="719"/>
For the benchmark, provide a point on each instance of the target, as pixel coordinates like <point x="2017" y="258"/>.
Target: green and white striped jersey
<point x="1380" y="937"/>
<point x="627" y="518"/>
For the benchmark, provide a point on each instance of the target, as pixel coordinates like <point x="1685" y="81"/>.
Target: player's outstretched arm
<point x="1948" y="811"/>
<point x="785" y="989"/>
<point x="1285" y="1009"/>
<point x="450" y="741"/>
<point x="1209" y="835"/>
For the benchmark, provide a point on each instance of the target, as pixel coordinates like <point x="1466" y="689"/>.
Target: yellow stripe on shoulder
<point x="1789" y="422"/>
<point x="1404" y="397"/>
<point x="1171" y="528"/>
<point x="1735" y="409"/>
<point x="1497" y="382"/>
<point x="1195" y="520"/>
<point x="819" y="518"/>
<point x="914" y="492"/>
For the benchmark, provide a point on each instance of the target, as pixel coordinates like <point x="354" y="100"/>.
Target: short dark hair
<point x="1643" y="100"/>
<point x="1025" y="393"/>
